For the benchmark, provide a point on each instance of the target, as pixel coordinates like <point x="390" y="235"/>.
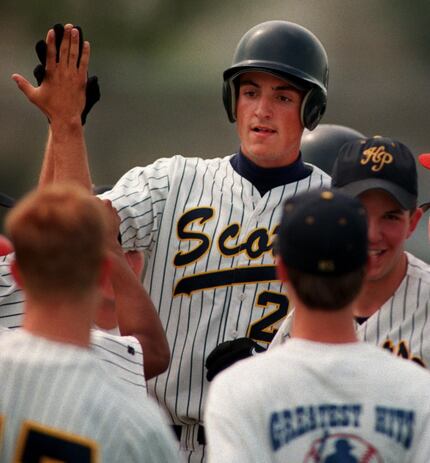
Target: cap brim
<point x="424" y="160"/>
<point x="404" y="198"/>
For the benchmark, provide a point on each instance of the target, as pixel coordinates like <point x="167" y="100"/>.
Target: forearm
<point x="66" y="155"/>
<point x="48" y="164"/>
<point x="137" y="317"/>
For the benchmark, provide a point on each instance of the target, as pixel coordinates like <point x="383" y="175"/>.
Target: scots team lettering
<point x="219" y="278"/>
<point x="199" y="215"/>
<point x="257" y="243"/>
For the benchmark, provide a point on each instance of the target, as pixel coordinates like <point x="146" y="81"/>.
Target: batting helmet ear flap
<point x="313" y="107"/>
<point x="229" y="99"/>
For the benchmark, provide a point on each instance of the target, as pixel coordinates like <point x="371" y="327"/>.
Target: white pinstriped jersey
<point x="402" y="324"/>
<point x="59" y="393"/>
<point x="210" y="272"/>
<point x="313" y="402"/>
<point x="122" y="355"/>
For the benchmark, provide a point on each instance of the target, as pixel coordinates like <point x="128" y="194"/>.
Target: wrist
<point x="62" y="127"/>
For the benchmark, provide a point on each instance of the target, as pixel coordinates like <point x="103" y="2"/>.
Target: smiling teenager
<point x="392" y="308"/>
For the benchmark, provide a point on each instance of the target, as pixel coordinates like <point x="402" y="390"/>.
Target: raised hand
<point x="62" y="93"/>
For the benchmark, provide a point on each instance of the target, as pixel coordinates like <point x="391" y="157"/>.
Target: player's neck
<point x="335" y="327"/>
<point x="67" y="322"/>
<point x="376" y="292"/>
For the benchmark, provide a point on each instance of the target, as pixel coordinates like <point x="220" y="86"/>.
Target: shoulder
<point x="417" y="267"/>
<point x="176" y="167"/>
<point x="418" y="276"/>
<point x="319" y="174"/>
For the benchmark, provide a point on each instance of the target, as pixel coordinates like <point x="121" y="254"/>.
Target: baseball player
<point x="208" y="225"/>
<point x="323" y="396"/>
<point x="319" y="147"/>
<point x="121" y="355"/>
<point x="392" y="309"/>
<point x="56" y="402"/>
<point x="140" y="325"/>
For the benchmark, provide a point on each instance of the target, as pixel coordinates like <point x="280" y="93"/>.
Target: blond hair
<point x="59" y="234"/>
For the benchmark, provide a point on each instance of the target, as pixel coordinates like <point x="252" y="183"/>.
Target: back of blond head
<point x="59" y="235"/>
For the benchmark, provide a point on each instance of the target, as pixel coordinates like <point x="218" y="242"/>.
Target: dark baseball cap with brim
<point x="377" y="163"/>
<point x="323" y="232"/>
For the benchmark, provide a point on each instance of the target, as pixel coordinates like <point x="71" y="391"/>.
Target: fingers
<point x="24" y="85"/>
<point x="85" y="58"/>
<point x="65" y="47"/>
<point x="74" y="47"/>
<point x="112" y="215"/>
<point x="51" y="51"/>
<point x="136" y="261"/>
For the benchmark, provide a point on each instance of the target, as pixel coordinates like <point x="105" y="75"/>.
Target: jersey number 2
<point x="264" y="329"/>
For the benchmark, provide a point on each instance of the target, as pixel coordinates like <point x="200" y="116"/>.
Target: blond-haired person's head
<point x="59" y="234"/>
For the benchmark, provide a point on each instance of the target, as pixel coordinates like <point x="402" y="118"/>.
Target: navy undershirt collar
<point x="264" y="179"/>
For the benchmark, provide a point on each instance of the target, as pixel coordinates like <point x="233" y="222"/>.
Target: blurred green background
<point x="160" y="65"/>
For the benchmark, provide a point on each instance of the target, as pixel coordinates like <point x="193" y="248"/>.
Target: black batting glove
<point x="92" y="90"/>
<point x="229" y="352"/>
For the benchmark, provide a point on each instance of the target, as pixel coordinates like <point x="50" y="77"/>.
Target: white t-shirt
<point x="313" y="402"/>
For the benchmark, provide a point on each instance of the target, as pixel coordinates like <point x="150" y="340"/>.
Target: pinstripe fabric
<point x="64" y="387"/>
<point x="197" y="220"/>
<point x="11" y="297"/>
<point x="122" y="356"/>
<point x="402" y="324"/>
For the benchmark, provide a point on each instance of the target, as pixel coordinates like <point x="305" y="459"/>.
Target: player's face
<point x="389" y="227"/>
<point x="268" y="119"/>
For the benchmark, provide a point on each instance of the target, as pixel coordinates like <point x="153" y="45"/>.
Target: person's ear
<point x="281" y="270"/>
<point x="104" y="277"/>
<point x="414" y="220"/>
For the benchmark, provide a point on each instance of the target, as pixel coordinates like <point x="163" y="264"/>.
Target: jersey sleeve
<point x="283" y="332"/>
<point x="140" y="196"/>
<point x="11" y="296"/>
<point x="122" y="358"/>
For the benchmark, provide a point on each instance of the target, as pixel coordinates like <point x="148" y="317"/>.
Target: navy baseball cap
<point x="377" y="163"/>
<point x="323" y="232"/>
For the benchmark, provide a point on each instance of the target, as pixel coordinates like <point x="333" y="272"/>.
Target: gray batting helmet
<point x="289" y="51"/>
<point x="321" y="146"/>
